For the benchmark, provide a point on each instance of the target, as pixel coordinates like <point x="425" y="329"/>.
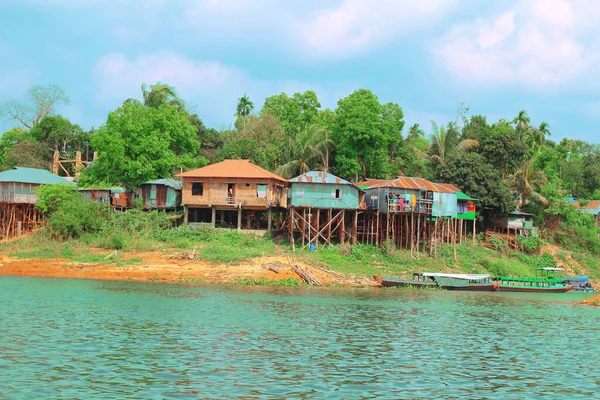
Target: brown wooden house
<point x="232" y="193"/>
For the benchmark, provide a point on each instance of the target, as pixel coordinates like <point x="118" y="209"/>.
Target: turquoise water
<point x="93" y="339"/>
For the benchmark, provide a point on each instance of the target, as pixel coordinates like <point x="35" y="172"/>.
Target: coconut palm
<point x="522" y="121"/>
<point x="446" y="143"/>
<point x="156" y="95"/>
<point x="309" y="147"/>
<point x="528" y="181"/>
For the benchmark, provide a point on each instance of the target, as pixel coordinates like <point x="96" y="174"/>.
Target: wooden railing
<point x="422" y="206"/>
<point x="18" y="198"/>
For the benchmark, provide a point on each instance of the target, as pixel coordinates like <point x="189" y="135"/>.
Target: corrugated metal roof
<point x="411" y="183"/>
<point x="593" y="207"/>
<point x="450" y="186"/>
<point x="319" y="177"/>
<point x="232" y="169"/>
<point x="174" y="183"/>
<point x="32" y="175"/>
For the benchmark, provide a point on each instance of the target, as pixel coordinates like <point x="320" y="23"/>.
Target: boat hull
<point x="390" y="283"/>
<point x="492" y="287"/>
<point x="509" y="288"/>
<point x="386" y="282"/>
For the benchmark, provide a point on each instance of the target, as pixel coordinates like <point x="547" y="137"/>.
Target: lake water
<point x="93" y="339"/>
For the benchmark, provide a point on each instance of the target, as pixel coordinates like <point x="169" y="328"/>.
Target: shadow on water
<point x="71" y="338"/>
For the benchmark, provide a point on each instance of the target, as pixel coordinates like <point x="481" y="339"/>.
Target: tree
<point x="521" y="122"/>
<point x="362" y="136"/>
<point x="446" y="143"/>
<point x="308" y="149"/>
<point x="260" y="141"/>
<point x="141" y="143"/>
<point x="474" y="176"/>
<point x="476" y="128"/>
<point x="294" y="113"/>
<point x="59" y="134"/>
<point x="529" y="181"/>
<point x="502" y="148"/>
<point x="245" y="106"/>
<point x="42" y="102"/>
<point x="8" y="140"/>
<point x="160" y="93"/>
<point x="27" y="153"/>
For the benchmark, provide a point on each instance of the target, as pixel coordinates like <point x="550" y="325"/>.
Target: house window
<point x="337" y="193"/>
<point x="197" y="189"/>
<point x="261" y="191"/>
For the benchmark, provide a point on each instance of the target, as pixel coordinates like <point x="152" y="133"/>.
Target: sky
<point x="497" y="57"/>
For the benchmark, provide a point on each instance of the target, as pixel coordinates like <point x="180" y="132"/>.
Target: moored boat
<point x="544" y="282"/>
<point x="579" y="283"/>
<point x="418" y="280"/>
<point x="471" y="282"/>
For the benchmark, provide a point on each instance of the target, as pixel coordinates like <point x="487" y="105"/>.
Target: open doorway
<point x="230" y="193"/>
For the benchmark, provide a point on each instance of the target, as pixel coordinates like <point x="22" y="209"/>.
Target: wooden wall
<point x="245" y="192"/>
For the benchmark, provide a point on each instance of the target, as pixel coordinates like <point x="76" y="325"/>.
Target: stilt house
<point x="410" y="195"/>
<point x="322" y="207"/>
<point x="233" y="193"/>
<point x="17" y="198"/>
<point x="160" y="194"/>
<point x="320" y="189"/>
<point x="517" y="222"/>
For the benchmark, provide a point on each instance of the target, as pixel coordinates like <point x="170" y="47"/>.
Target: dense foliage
<point x="506" y="164"/>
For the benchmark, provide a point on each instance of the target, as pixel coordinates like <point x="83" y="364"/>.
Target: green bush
<point x="531" y="244"/>
<point x="76" y="217"/>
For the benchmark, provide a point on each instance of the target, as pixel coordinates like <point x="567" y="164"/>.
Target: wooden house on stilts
<point x="18" y="197"/>
<point x="322" y="207"/>
<point x="413" y="213"/>
<point x="233" y="194"/>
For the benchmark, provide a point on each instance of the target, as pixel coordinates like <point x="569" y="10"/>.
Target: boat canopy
<point x="575" y="278"/>
<point x="457" y="276"/>
<point x="551" y="269"/>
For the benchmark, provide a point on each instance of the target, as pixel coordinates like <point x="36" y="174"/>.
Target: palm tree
<point x="522" y="121"/>
<point x="156" y="95"/>
<point x="244" y="107"/>
<point x="446" y="143"/>
<point x="310" y="146"/>
<point x="529" y="181"/>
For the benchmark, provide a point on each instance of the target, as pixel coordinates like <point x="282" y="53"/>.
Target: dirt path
<point x="156" y="266"/>
<point x="554" y="250"/>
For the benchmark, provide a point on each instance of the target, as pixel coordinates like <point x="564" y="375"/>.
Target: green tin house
<point x="319" y="189"/>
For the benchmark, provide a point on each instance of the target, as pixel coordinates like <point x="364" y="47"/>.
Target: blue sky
<point x="427" y="55"/>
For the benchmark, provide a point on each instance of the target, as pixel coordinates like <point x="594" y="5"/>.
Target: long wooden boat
<point x="544" y="282"/>
<point x="417" y="281"/>
<point x="470" y="282"/>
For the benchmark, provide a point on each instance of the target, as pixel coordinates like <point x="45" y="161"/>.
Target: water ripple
<point x="86" y="339"/>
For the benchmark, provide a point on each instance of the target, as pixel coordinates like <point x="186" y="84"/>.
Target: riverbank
<point x="185" y="255"/>
<point x="161" y="267"/>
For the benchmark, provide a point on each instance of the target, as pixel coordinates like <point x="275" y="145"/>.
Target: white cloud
<point x="209" y="88"/>
<point x="356" y="25"/>
<point x="537" y="43"/>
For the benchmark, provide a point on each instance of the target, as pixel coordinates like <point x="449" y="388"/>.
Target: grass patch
<point x="191" y="280"/>
<point x="217" y="245"/>
<point x="268" y="282"/>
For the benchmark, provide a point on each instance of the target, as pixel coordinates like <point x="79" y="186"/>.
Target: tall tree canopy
<point x="363" y="135"/>
<point x="141" y="143"/>
<point x="41" y="102"/>
<point x="294" y="113"/>
<point x="474" y="176"/>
